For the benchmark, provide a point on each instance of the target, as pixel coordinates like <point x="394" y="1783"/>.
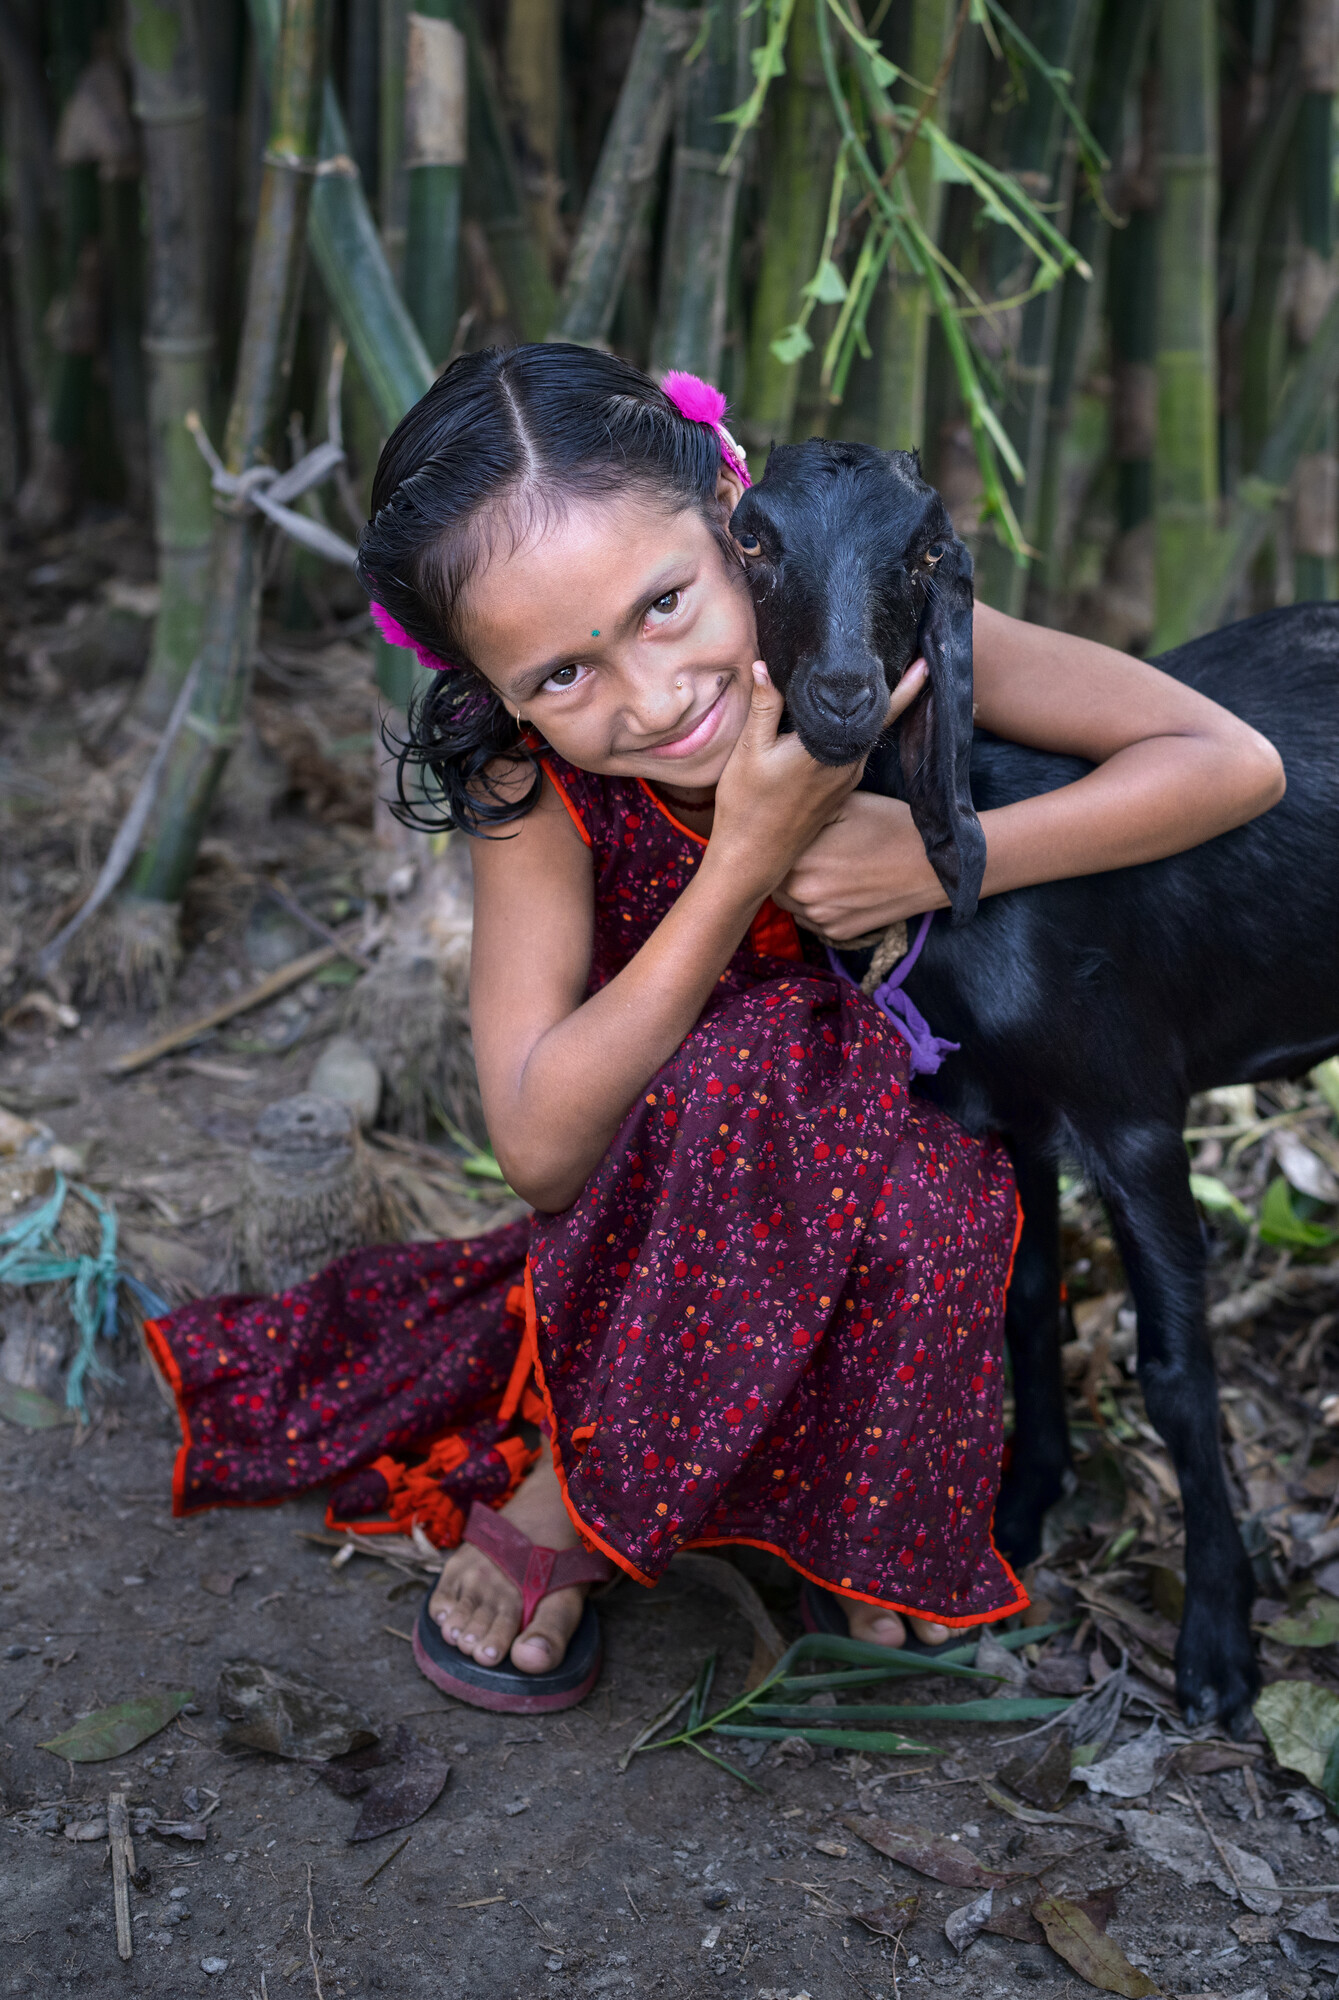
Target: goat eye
<point x="749" y="545"/>
<point x="934" y="552"/>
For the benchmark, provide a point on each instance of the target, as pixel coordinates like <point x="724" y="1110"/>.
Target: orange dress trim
<point x="591" y="1540"/>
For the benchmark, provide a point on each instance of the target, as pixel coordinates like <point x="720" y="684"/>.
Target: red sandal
<point x="537" y="1572"/>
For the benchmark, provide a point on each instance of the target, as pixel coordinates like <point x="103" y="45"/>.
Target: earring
<point x="519" y="723"/>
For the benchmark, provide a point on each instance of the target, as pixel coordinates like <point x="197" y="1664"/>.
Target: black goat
<point x="1089" y="1010"/>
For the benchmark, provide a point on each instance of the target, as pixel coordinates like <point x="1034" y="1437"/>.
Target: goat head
<point x="855" y="572"/>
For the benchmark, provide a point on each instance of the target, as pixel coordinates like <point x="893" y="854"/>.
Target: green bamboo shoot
<point x="904" y="347"/>
<point x="1042" y="151"/>
<point x="493" y="197"/>
<point x="169" y="101"/>
<point x="797" y="183"/>
<point x="269" y="329"/>
<point x="629" y="159"/>
<point x="1185" y="466"/>
<point x="434" y="100"/>
<point x="704" y="194"/>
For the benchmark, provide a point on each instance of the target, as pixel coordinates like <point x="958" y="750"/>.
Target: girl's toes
<point x="541" y="1646"/>
<point x="492" y="1644"/>
<point x="929" y="1634"/>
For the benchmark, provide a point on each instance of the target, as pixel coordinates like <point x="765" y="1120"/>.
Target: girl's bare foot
<point x="878" y="1627"/>
<point x="479" y="1609"/>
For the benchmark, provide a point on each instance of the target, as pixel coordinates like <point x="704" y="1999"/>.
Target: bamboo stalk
<point x="393" y="181"/>
<point x="1314" y="525"/>
<point x="704" y="194"/>
<point x="269" y="328"/>
<point x="532" y="61"/>
<point x="362" y="80"/>
<point x="435" y="99"/>
<point x="904" y="348"/>
<point x="1185" y="465"/>
<point x="799" y="174"/>
<point x="349" y="256"/>
<point x="1044" y="153"/>
<point x="164" y="50"/>
<point x="1122" y="40"/>
<point x="1259" y="494"/>
<point x="493" y="197"/>
<point x="28" y="179"/>
<point x="629" y="160"/>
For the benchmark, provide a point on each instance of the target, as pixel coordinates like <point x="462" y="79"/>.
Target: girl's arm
<point x="557" y="1073"/>
<point x="1173" y="769"/>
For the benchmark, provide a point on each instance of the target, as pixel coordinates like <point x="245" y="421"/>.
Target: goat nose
<point x="842" y="697"/>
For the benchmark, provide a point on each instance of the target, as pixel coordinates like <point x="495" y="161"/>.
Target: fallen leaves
<point x="110" y="1732"/>
<point x="395" y="1800"/>
<point x="1301" y="1722"/>
<point x="1073" y="1936"/>
<point x="916" y="1847"/>
<point x="287" y="1714"/>
<point x="30" y="1410"/>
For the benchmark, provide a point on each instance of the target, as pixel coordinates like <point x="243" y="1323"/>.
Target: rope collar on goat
<point x="927" y="1049"/>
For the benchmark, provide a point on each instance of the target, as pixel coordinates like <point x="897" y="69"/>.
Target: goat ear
<point x="935" y="739"/>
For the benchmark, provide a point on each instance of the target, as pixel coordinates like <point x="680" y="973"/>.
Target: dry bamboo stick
<point x="268" y="988"/>
<point x="123" y="1867"/>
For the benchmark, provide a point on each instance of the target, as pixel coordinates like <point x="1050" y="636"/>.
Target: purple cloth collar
<point x="927" y="1049"/>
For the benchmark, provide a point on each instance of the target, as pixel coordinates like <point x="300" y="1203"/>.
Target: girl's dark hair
<point x="501" y="430"/>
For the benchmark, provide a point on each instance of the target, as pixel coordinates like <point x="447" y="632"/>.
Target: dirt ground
<point x="543" y="1868"/>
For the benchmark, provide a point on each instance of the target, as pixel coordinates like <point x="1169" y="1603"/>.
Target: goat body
<point x="1088" y="1010"/>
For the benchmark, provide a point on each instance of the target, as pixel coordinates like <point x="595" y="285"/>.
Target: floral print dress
<point x="773" y="1316"/>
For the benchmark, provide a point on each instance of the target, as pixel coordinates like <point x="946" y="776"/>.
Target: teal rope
<point x="25" y="1261"/>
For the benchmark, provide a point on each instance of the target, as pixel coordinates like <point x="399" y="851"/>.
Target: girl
<point x="765" y="1284"/>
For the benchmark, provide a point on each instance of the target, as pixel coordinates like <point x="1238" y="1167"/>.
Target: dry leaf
<point x="1132" y="1771"/>
<point x="398" y="1800"/>
<point x="832" y="1847"/>
<point x="916" y="1847"/>
<point x="889" y="1920"/>
<point x="287" y="1714"/>
<point x="1012" y="1918"/>
<point x="220" y="1582"/>
<point x="962" y="1925"/>
<point x="1073" y="1936"/>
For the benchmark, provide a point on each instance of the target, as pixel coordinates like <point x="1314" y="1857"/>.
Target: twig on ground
<point x="284" y="896"/>
<point x="386" y="1860"/>
<point x="631" y="1905"/>
<point x="265" y="989"/>
<point x="311" y="1941"/>
<point x="123" y="1867"/>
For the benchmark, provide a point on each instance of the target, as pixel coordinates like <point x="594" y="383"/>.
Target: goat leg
<point x="1143" y="1177"/>
<point x="1039" y="1462"/>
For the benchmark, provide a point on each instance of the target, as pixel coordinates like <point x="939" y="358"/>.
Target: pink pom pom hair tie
<point x="393" y="632"/>
<point x="702" y="404"/>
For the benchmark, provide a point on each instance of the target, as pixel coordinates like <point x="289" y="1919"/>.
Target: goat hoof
<point x="1217" y="1675"/>
<point x="1019" y="1514"/>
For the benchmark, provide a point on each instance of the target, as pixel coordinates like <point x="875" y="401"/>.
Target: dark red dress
<point x="774" y="1315"/>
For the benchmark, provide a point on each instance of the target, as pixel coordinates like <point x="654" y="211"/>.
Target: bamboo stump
<point x="309" y="1195"/>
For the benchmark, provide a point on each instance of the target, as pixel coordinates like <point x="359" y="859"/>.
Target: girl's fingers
<point x="907" y="689"/>
<point x="766" y="704"/>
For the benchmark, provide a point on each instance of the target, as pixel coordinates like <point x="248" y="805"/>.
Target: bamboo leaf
<point x="1218" y="1198"/>
<point x="827" y="286"/>
<point x="879" y="1742"/>
<point x="791" y="344"/>
<point x="992" y="1708"/>
<point x="110" y="1732"/>
<point x="1301" y="1721"/>
<point x="1073" y="1936"/>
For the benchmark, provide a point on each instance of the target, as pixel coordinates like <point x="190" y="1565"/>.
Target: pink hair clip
<point x="393" y="632"/>
<point x="702" y="404"/>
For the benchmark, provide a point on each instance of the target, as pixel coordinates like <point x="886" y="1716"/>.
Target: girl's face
<point x="625" y="636"/>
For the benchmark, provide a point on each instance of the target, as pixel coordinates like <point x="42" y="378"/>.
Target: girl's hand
<point x="860" y="874"/>
<point x="772" y="798"/>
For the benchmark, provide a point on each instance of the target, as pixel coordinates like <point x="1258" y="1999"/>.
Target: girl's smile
<point x="657" y="684"/>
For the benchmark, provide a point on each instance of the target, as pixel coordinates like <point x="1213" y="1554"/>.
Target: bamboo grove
<point x="1077" y="253"/>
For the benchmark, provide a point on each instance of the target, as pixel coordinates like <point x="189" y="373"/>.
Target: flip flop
<point x="823" y="1611"/>
<point x="537" y="1572"/>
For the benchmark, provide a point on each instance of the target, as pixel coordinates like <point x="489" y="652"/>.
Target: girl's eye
<point x="563" y="677"/>
<point x="665" y="606"/>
